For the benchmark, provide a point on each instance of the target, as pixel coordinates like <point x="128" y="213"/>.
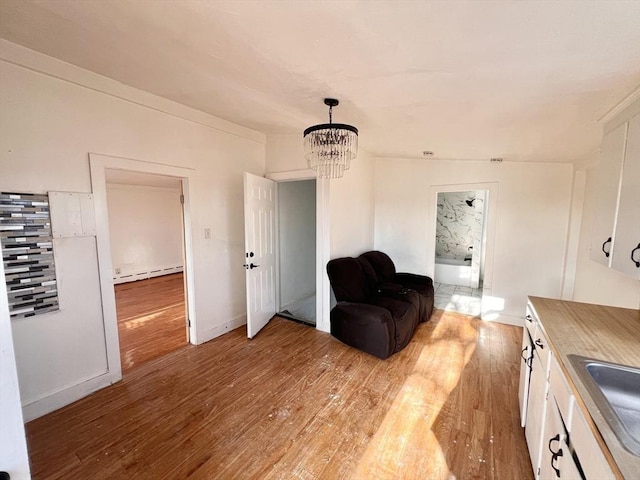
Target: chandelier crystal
<point x="330" y="147"/>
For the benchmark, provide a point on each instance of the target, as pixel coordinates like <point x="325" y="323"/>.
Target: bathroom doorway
<point x="460" y="238"/>
<point x="296" y="210"/>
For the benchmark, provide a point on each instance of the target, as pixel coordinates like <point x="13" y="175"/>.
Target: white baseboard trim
<point x="147" y="273"/>
<point x="218" y="330"/>
<point x="62" y="398"/>
<point x="517" y="321"/>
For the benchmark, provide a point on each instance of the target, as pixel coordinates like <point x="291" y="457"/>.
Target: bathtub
<point x="453" y="271"/>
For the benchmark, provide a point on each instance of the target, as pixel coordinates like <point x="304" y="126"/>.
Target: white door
<point x="260" y="250"/>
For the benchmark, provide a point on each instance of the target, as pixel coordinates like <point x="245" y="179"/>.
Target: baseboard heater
<point x="143" y="275"/>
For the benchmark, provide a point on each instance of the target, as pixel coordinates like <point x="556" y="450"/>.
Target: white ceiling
<point x="523" y="80"/>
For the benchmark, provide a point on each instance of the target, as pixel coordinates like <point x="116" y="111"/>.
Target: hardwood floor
<point x="151" y="318"/>
<point x="296" y="403"/>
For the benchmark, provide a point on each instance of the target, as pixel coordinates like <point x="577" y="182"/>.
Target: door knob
<point x="250" y="266"/>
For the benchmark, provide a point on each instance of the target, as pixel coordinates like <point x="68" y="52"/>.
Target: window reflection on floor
<point x="454" y="298"/>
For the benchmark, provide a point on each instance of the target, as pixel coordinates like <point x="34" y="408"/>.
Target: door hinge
<point x="189" y="322"/>
<point x="182" y="199"/>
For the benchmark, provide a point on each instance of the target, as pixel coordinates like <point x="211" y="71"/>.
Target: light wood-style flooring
<point x="294" y="403"/>
<point x="151" y="318"/>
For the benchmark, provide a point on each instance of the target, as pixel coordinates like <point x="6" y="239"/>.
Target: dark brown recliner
<point x="379" y="321"/>
<point x="388" y="280"/>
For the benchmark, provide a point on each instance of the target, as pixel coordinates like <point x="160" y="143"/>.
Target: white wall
<point x="353" y="209"/>
<point x="595" y="283"/>
<point x="297" y="240"/>
<point x="145" y="226"/>
<point x="13" y="444"/>
<point x="532" y="208"/>
<point x="351" y="197"/>
<point x="48" y="125"/>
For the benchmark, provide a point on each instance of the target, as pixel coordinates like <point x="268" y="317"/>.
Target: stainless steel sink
<point x="616" y="391"/>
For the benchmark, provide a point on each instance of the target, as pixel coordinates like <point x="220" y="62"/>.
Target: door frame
<point x="98" y="164"/>
<point x="323" y="242"/>
<point x="489" y="227"/>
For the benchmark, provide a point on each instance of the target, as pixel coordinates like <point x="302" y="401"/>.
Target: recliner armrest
<point x="390" y="288"/>
<point x="366" y="327"/>
<point x="402" y="278"/>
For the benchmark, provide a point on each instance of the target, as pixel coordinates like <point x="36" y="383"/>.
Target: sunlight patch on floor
<point x="405" y="438"/>
<point x="132" y="323"/>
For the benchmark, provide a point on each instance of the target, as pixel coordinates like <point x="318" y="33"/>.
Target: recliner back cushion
<point x="348" y="280"/>
<point x="370" y="275"/>
<point x="381" y="264"/>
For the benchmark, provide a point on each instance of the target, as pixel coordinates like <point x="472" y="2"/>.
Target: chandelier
<point x="330" y="147"/>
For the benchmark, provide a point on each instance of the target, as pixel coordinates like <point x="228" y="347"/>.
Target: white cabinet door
<point x="526" y="358"/>
<point x="552" y="440"/>
<point x="609" y="168"/>
<point x="569" y="469"/>
<point x="626" y="237"/>
<point x="556" y="461"/>
<point x="536" y="411"/>
<point x="593" y="462"/>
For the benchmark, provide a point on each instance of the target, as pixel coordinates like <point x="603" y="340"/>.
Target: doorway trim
<point x="323" y="239"/>
<point x="490" y="225"/>
<point x="98" y="163"/>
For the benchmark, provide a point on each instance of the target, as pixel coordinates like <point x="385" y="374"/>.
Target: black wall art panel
<point x="27" y="253"/>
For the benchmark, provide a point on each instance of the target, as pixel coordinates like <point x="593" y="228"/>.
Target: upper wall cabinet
<point x="615" y="240"/>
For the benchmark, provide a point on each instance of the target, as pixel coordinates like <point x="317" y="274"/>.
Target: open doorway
<point x="460" y="240"/>
<point x="297" y="250"/>
<point x="147" y="253"/>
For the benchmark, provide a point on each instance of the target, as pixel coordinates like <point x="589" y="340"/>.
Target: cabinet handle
<point x="555" y="455"/>
<point x="606" y="254"/>
<point x="637" y="262"/>
<point x="540" y="344"/>
<point x="527" y="360"/>
<point x="528" y="317"/>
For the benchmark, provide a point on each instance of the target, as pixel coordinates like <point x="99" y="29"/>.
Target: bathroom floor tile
<point x="463" y="290"/>
<point x="445" y="289"/>
<point x="455" y="298"/>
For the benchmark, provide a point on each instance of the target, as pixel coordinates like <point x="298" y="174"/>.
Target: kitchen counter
<point x="599" y="332"/>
